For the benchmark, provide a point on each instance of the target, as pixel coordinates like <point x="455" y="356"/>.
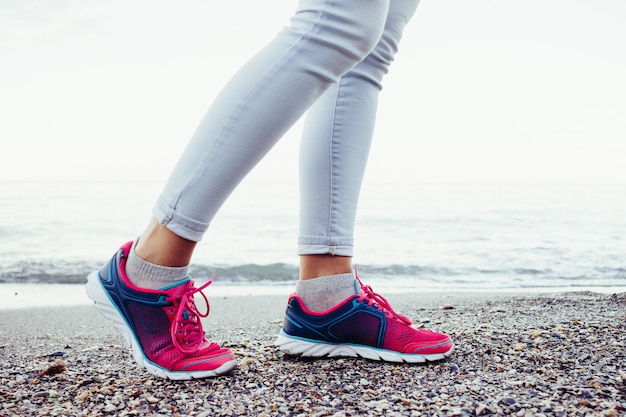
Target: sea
<point x="409" y="236"/>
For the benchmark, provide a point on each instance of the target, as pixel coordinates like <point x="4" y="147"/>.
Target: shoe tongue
<point x="176" y="284"/>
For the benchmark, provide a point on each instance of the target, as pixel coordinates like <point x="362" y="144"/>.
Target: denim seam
<point x="332" y="185"/>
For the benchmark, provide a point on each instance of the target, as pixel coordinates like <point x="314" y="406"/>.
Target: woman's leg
<point x="336" y="315"/>
<point x="334" y="151"/>
<point x="332" y="313"/>
<point x="262" y="101"/>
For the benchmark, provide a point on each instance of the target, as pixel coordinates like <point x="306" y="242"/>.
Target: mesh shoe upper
<point x="364" y="319"/>
<point x="166" y="322"/>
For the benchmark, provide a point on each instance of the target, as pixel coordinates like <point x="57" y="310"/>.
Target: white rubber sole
<point x="105" y="306"/>
<point x="314" y="349"/>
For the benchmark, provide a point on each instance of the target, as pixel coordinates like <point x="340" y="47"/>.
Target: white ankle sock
<point x="321" y="294"/>
<point x="148" y="275"/>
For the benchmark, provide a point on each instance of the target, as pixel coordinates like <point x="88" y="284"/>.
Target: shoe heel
<point x="294" y="346"/>
<point x="104" y="306"/>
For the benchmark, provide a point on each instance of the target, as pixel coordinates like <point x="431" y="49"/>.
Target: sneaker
<point x="162" y="326"/>
<point x="363" y="325"/>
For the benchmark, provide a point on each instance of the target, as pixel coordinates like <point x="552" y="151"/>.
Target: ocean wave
<point x="64" y="272"/>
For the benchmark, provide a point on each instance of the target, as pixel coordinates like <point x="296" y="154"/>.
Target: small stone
<point x="447" y="307"/>
<point x="508" y="401"/>
<point x="381" y="404"/>
<point x="535" y="334"/>
<point x="83" y="396"/>
<point x="57" y="368"/>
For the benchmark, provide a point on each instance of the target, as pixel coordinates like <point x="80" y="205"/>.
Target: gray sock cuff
<point x="329" y="284"/>
<point x="321" y="294"/>
<point x="145" y="274"/>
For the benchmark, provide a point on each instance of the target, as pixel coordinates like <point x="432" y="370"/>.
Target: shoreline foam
<point x="34" y="295"/>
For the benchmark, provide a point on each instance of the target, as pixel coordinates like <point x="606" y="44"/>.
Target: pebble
<point x="509" y="401"/>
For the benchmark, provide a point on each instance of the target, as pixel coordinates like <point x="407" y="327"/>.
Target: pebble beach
<point x="520" y="354"/>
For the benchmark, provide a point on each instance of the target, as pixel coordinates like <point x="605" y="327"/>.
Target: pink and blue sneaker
<point x="363" y="325"/>
<point x="162" y="326"/>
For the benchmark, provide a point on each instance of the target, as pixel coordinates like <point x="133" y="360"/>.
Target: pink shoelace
<point x="187" y="325"/>
<point x="372" y="298"/>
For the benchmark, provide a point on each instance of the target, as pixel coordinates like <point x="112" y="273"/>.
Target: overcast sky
<point x="500" y="90"/>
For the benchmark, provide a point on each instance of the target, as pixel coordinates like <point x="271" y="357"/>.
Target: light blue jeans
<point x="330" y="60"/>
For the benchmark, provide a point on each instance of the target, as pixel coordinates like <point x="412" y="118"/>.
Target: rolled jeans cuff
<point x="316" y="245"/>
<point x="182" y="226"/>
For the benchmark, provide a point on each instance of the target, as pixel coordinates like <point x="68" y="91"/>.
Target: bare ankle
<point x="161" y="246"/>
<point x="315" y="266"/>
